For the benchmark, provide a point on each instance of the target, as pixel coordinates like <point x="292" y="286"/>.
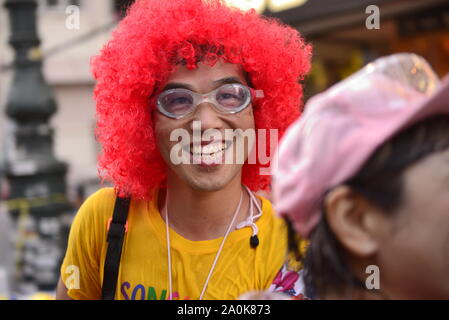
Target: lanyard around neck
<point x="248" y="223"/>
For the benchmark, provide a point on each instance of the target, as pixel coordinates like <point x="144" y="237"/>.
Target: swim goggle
<point x="228" y="99"/>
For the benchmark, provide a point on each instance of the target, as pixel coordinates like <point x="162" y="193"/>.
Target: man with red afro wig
<point x="194" y="228"/>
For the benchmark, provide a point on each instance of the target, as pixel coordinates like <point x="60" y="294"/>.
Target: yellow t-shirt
<point x="143" y="270"/>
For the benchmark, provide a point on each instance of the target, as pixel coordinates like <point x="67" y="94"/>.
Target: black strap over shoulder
<point x="115" y="238"/>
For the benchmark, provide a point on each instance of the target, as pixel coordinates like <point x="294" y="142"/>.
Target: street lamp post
<point x="36" y="179"/>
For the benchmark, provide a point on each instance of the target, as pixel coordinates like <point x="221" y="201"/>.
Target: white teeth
<point x="208" y="149"/>
<point x="196" y="149"/>
<point x="212" y="148"/>
<point x="215" y="158"/>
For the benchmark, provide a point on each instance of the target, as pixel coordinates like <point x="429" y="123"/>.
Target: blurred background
<point x="48" y="151"/>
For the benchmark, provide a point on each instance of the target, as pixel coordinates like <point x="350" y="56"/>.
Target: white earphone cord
<point x="250" y="221"/>
<point x="243" y="224"/>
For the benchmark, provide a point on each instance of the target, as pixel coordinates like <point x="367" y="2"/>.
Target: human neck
<point x="203" y="215"/>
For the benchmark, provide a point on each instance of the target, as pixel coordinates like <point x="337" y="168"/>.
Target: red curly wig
<point x="149" y="42"/>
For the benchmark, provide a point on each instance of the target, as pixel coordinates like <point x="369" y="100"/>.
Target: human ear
<point x="353" y="220"/>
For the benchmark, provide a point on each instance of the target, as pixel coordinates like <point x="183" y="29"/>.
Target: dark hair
<point x="380" y="181"/>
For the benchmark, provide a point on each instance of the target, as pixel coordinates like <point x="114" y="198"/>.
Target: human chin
<point x="209" y="178"/>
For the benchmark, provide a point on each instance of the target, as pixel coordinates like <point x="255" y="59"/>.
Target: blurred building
<point x="343" y="43"/>
<point x="70" y="33"/>
<point x="67" y="49"/>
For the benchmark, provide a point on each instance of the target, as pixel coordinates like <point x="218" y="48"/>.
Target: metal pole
<point x="36" y="179"/>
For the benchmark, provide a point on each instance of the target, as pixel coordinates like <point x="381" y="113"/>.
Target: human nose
<point x="206" y="114"/>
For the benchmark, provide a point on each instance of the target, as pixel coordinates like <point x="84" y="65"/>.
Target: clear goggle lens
<point x="229" y="98"/>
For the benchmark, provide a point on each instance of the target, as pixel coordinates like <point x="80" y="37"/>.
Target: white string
<point x="221" y="247"/>
<point x="255" y="202"/>
<point x="216" y="256"/>
<point x="250" y="221"/>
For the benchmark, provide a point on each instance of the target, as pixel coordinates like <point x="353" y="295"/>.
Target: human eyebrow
<point x="219" y="82"/>
<point x="228" y="80"/>
<point x="177" y="85"/>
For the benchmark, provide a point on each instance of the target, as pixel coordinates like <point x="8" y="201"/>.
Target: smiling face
<point x="203" y="173"/>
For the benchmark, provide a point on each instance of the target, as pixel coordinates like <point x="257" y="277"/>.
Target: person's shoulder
<point x="98" y="206"/>
<point x="103" y="194"/>
<point x="101" y="197"/>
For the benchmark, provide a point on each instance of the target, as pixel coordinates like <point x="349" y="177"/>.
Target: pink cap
<point x="343" y="126"/>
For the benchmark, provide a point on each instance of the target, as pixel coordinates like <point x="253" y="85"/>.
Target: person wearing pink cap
<point x="364" y="177"/>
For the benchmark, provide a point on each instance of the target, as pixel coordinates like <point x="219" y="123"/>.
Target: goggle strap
<point x="257" y="94"/>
